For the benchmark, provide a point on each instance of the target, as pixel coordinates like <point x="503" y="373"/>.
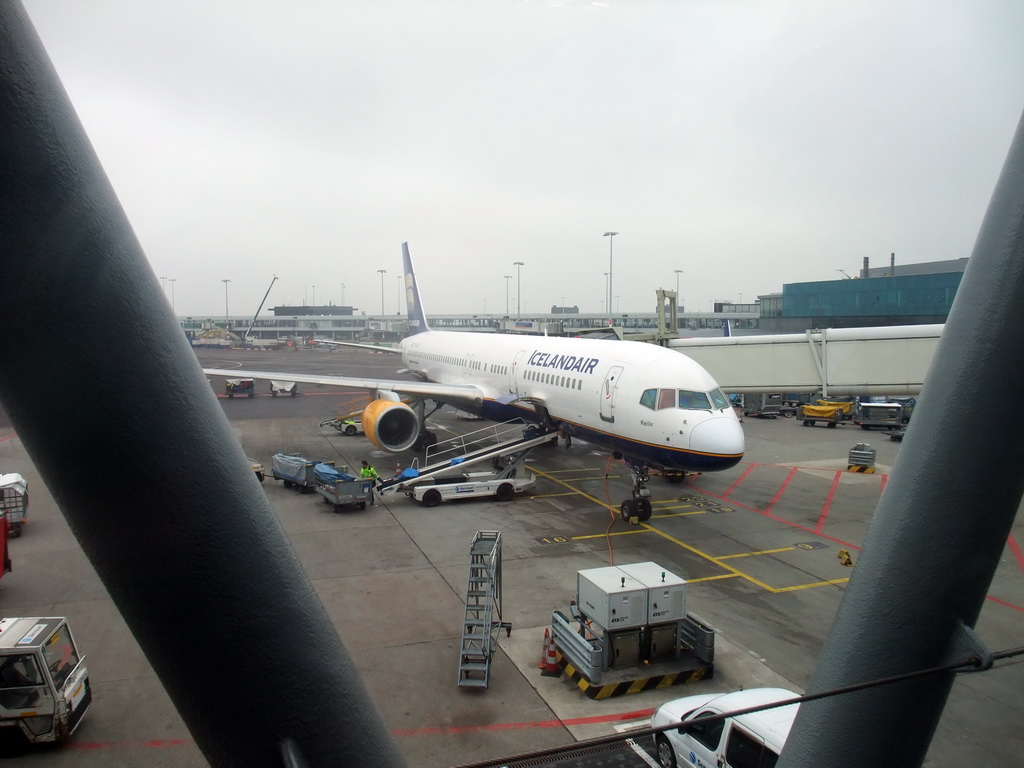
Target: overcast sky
<point x="749" y="144"/>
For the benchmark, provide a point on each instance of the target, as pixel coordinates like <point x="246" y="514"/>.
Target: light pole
<point x="507" y="278"/>
<point x="398" y="307"/>
<point x="611" y="239"/>
<point x="314" y="295"/>
<point x="382" y="273"/>
<point x="173" y="281"/>
<point x="343" y="294"/>
<point x="519" y="288"/>
<point x="607" y="301"/>
<point x="678" y="273"/>
<point x="225" y="303"/>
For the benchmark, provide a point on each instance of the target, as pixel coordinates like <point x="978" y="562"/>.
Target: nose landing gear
<point x="637" y="509"/>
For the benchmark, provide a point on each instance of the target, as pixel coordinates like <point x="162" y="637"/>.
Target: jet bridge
<point x="890" y="360"/>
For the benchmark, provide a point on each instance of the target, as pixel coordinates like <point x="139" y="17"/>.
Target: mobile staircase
<point x="504" y="446"/>
<point x="482" y="621"/>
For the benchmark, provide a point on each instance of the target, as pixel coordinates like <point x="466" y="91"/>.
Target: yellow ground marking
<point x="683" y="514"/>
<point x="762" y="552"/>
<point x="577" y="491"/>
<point x="719" y="561"/>
<point x="603" y="535"/>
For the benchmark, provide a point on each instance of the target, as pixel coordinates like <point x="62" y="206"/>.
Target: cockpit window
<point x="719" y="399"/>
<point x="666" y="398"/>
<point x="694" y="401"/>
<point x="649" y="398"/>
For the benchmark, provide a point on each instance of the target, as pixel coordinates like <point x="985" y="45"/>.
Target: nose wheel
<point x="637" y="509"/>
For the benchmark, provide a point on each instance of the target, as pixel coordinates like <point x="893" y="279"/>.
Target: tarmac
<point x="759" y="546"/>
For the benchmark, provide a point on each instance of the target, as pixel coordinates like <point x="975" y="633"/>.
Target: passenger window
<point x="649" y="398"/>
<point x="744" y="751"/>
<point x="666" y="399"/>
<point x="708" y="734"/>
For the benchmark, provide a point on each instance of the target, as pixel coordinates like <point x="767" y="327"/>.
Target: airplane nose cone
<point x="718" y="436"/>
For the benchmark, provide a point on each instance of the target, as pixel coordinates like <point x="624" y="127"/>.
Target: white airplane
<point x="651" y="406"/>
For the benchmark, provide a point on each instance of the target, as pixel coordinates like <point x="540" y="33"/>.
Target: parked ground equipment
<point x="341" y="489"/>
<point x="257" y="468"/>
<point x="240" y="387"/>
<point x="296" y="470"/>
<point x="883" y="415"/>
<point x="764" y="406"/>
<point x="829" y="415"/>
<point x="44" y="685"/>
<point x="346" y="426"/>
<point x="14" y="501"/>
<point x="501" y="485"/>
<point x="283" y="388"/>
<point x="502" y="446"/>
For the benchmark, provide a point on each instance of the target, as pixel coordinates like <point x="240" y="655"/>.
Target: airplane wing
<point x="374" y="347"/>
<point x="450" y="393"/>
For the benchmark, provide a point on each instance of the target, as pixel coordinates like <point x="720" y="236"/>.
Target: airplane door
<point x="611" y="383"/>
<point x="513" y="375"/>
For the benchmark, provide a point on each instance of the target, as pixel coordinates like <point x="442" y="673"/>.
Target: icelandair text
<point x="563" y="362"/>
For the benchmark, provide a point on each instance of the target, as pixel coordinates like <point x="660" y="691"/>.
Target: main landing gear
<point x="637" y="509"/>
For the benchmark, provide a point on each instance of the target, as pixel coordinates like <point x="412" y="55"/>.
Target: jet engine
<point x="389" y="424"/>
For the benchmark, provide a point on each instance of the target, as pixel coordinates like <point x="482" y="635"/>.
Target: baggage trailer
<point x="830" y="415"/>
<point x="883" y="415"/>
<point x="283" y="388"/>
<point x="295" y="470"/>
<point x="240" y="387"/>
<point x="44" y="685"/>
<point x="341" y="489"/>
<point x="764" y="406"/>
<point x="14" y="501"/>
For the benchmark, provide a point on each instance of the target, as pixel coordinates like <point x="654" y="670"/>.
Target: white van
<point x="746" y="741"/>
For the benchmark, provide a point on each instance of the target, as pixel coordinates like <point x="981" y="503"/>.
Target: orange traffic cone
<point x="544" y="649"/>
<point x="551" y="668"/>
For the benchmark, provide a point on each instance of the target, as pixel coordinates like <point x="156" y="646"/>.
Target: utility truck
<point x="44" y="685"/>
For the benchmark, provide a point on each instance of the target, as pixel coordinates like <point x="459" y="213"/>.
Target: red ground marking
<point x="1004" y="603"/>
<point x="782" y="490"/>
<point x="828" y="502"/>
<point x="5" y="438"/>
<point x="739" y="480"/>
<point x="777" y="519"/>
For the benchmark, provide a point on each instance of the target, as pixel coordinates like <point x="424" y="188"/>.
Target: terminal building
<point x="910" y="294"/>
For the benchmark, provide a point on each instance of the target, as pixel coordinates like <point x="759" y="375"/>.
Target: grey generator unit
<point x="611" y="598"/>
<point x="666" y="592"/>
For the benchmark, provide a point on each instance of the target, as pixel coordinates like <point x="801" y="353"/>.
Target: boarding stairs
<point x="490" y="444"/>
<point x="482" y="621"/>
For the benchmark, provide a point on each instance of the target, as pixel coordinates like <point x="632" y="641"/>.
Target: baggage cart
<point x="283" y="388"/>
<point x="240" y="387"/>
<point x="14" y="501"/>
<point x="830" y="415"/>
<point x="294" y="469"/>
<point x="340" y="489"/>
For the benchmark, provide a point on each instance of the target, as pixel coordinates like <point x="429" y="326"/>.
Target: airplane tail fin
<point x="726" y="330"/>
<point x="417" y="318"/>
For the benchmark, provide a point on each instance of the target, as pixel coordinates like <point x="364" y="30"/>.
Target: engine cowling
<point x="390" y="425"/>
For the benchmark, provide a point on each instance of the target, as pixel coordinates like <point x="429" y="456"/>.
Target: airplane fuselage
<point x="647" y="402"/>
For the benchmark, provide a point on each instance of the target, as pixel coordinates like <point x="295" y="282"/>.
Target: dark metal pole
<point x="130" y="440"/>
<point x="937" y="536"/>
